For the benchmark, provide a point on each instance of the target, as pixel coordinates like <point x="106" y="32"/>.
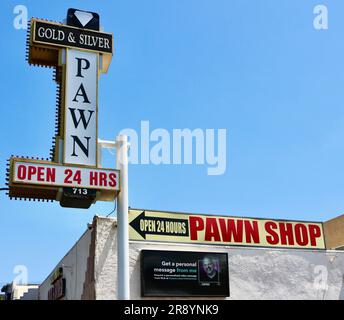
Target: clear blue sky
<point x="257" y="68"/>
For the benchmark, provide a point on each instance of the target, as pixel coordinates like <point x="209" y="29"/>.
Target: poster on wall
<point x="184" y="273"/>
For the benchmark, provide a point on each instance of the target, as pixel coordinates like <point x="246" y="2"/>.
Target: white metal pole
<point x="122" y="147"/>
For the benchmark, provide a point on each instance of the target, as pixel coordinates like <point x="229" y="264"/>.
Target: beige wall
<point x="334" y="232"/>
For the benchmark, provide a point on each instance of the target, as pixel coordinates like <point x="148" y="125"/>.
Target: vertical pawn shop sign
<point x="78" y="52"/>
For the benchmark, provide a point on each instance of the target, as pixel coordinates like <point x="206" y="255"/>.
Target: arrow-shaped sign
<point x="149" y="225"/>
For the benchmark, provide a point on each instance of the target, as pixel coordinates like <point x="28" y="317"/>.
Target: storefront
<point x="172" y="269"/>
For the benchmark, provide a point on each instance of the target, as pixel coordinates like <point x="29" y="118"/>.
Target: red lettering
<point x="314" y="232"/>
<point x="113" y="182"/>
<point x="286" y="233"/>
<point x="231" y="230"/>
<point x="301" y="234"/>
<point x="21" y="174"/>
<point x="102" y="179"/>
<point x="51" y="173"/>
<point x="211" y="230"/>
<point x="77" y="177"/>
<point x="93" y="178"/>
<point x="40" y="174"/>
<point x="251" y="231"/>
<point x="68" y="173"/>
<point x="196" y="224"/>
<point x="273" y="236"/>
<point x="31" y="171"/>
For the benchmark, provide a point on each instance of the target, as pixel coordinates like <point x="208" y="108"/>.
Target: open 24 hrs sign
<point x="47" y="174"/>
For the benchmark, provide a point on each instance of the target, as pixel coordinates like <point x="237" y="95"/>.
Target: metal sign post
<point x="122" y="147"/>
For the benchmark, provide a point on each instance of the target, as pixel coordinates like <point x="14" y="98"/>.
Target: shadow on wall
<point x="135" y="276"/>
<point x="109" y="246"/>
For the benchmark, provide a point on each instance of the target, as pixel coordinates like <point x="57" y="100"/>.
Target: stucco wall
<point x="105" y="259"/>
<point x="74" y="265"/>
<point x="254" y="273"/>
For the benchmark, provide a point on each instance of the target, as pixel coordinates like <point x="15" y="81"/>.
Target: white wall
<point x="254" y="273"/>
<point x="105" y="259"/>
<point x="31" y="294"/>
<point x="74" y="265"/>
<point x="20" y="290"/>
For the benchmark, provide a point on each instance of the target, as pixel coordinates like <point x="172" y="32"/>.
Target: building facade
<point x="89" y="270"/>
<point x="14" y="291"/>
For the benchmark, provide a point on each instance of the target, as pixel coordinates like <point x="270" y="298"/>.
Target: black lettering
<point x="81" y="117"/>
<point x="80" y="67"/>
<point x="81" y="146"/>
<point x="83" y="94"/>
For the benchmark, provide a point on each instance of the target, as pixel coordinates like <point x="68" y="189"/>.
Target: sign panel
<point x="176" y="273"/>
<point x="81" y="108"/>
<point x="78" y="52"/>
<point x="83" y="19"/>
<point x="58" y="290"/>
<point x="224" y="230"/>
<point x="49" y="33"/>
<point x="57" y="274"/>
<point x="45" y="174"/>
